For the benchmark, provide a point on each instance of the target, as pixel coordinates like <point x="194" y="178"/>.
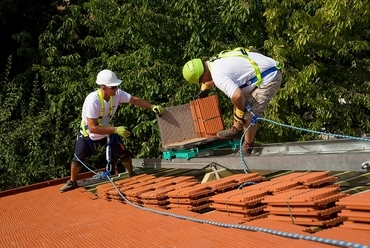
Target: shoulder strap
<point x="102" y="109"/>
<point x="239" y="52"/>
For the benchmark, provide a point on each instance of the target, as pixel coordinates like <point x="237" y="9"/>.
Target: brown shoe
<point x="68" y="186"/>
<point x="232" y="133"/>
<point x="247" y="148"/>
<point x="132" y="174"/>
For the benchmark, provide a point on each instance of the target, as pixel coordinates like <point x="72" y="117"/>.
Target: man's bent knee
<point x="76" y="163"/>
<point x="125" y="156"/>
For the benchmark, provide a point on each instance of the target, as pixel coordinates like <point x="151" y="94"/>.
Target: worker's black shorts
<point x="85" y="147"/>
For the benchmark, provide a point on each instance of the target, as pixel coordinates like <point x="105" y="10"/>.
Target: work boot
<point x="247" y="148"/>
<point x="232" y="133"/>
<point x="132" y="174"/>
<point x="68" y="186"/>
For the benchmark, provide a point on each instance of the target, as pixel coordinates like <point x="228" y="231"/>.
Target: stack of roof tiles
<point x="310" y="179"/>
<point x="231" y="182"/>
<point x="145" y="189"/>
<point x="108" y="192"/>
<point x="172" y="192"/>
<point x="269" y="198"/>
<point x="356" y="210"/>
<point x="309" y="201"/>
<point x="241" y="203"/>
<point x="206" y="116"/>
<point x="197" y="121"/>
<point x="306" y="206"/>
<point x="305" y="198"/>
<point x="194" y="198"/>
<point x="158" y="196"/>
<point x="238" y="203"/>
<point x="199" y="197"/>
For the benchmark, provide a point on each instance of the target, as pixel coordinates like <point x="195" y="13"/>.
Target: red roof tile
<point x="43" y="217"/>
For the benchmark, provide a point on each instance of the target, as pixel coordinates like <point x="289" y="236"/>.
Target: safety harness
<point x="102" y="110"/>
<point x="241" y="52"/>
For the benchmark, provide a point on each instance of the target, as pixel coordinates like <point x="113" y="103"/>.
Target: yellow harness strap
<point x="102" y="110"/>
<point x="238" y="52"/>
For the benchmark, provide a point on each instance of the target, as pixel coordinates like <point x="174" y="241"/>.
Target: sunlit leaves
<point x="320" y="44"/>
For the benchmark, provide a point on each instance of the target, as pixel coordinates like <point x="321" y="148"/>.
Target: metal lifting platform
<point x="200" y="149"/>
<point x="188" y="135"/>
<point x="319" y="155"/>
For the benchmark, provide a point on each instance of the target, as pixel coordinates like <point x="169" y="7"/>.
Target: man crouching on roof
<point x="98" y="109"/>
<point x="247" y="78"/>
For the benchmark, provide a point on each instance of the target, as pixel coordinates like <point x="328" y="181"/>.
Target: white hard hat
<point x="108" y="78"/>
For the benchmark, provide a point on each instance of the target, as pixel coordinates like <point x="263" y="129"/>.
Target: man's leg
<point x="251" y="133"/>
<point x="129" y="167"/>
<point x="235" y="132"/>
<point x="259" y="100"/>
<point x="124" y="155"/>
<point x="75" y="170"/>
<point x="82" y="151"/>
<point x="72" y="182"/>
<point x="248" y="142"/>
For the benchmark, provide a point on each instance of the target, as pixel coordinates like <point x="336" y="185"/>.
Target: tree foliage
<point x="322" y="46"/>
<point x="324" y="49"/>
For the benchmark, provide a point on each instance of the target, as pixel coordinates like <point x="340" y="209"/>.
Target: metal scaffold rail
<point x="319" y="155"/>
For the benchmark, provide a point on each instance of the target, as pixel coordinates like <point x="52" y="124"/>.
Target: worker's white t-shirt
<point x="91" y="109"/>
<point x="231" y="72"/>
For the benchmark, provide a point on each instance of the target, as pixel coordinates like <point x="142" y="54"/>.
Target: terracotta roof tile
<point x="43" y="217"/>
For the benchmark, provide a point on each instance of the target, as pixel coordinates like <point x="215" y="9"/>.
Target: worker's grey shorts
<point x="261" y="96"/>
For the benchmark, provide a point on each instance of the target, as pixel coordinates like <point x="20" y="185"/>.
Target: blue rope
<point x="246" y="183"/>
<point x="253" y="122"/>
<point x="244" y="164"/>
<point x="100" y="175"/>
<point x="312" y="131"/>
<point x="255" y="119"/>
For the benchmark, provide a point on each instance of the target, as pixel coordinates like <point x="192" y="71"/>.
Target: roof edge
<point x="44" y="184"/>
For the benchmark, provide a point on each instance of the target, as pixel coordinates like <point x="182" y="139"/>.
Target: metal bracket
<point x="214" y="168"/>
<point x="366" y="165"/>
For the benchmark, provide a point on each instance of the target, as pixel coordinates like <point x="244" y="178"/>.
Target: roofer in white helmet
<point x="98" y="109"/>
<point x="246" y="78"/>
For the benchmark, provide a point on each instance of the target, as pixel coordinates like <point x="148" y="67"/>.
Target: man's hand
<point x="121" y="131"/>
<point x="203" y="93"/>
<point x="158" y="109"/>
<point x="205" y="88"/>
<point x="239" y="116"/>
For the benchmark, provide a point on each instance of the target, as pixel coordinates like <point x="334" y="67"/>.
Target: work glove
<point x="121" y="131"/>
<point x="158" y="109"/>
<point x="239" y="115"/>
<point x="203" y="93"/>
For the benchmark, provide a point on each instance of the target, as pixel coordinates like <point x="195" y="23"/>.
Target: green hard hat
<point x="192" y="70"/>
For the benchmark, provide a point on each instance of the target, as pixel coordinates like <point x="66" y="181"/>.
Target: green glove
<point x="158" y="109"/>
<point x="121" y="131"/>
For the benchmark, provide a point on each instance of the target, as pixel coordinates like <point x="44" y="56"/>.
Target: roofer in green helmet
<point x="245" y="77"/>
